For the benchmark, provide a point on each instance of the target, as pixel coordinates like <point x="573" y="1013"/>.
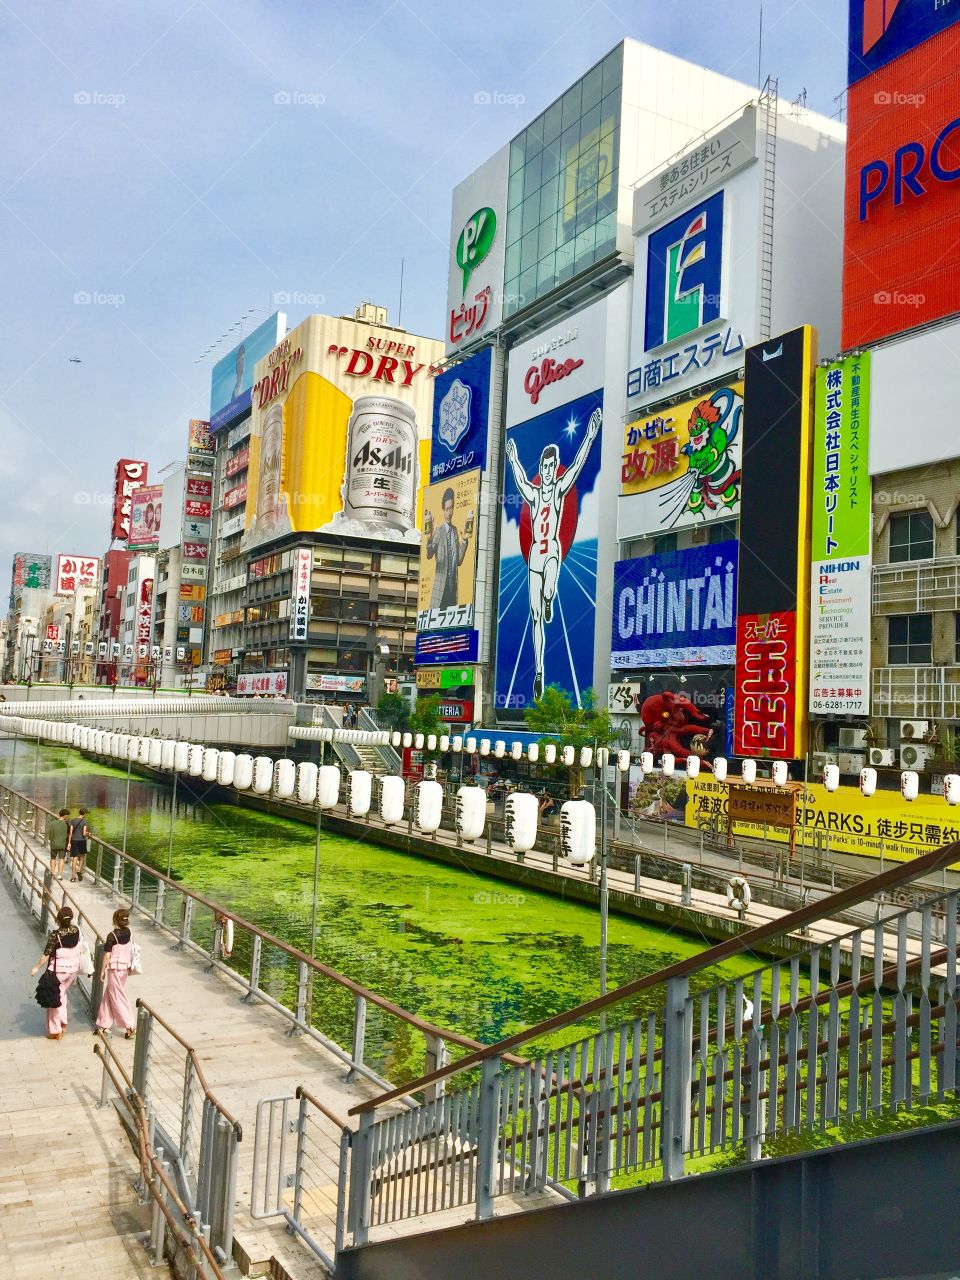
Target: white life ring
<point x="738" y="893"/>
<point x="226" y="938"/>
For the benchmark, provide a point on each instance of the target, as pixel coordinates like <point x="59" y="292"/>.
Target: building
<point x="30" y="591"/>
<point x="116" y="563"/>
<point x="338" y="458"/>
<point x="136" y="619"/>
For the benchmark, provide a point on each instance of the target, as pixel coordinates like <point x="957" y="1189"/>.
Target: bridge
<point x="652" y="1106"/>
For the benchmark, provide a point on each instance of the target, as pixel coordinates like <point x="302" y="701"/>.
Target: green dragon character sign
<point x="712" y="480"/>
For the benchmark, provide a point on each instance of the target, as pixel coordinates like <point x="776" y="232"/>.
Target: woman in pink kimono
<point x="62" y="955"/>
<point x="117" y="959"/>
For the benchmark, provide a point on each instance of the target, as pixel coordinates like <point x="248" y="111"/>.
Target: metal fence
<point x="861" y="1027"/>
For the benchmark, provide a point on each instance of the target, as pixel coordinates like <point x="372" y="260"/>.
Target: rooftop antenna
<point x="760" y="53"/>
<point x="400" y="307"/>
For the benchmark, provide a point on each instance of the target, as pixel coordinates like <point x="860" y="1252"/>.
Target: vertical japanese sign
<point x="129" y="475"/>
<point x="840" y="548"/>
<point x="772" y="601"/>
<point x="300" y="607"/>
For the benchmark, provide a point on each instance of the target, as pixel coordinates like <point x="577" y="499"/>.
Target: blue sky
<point x="151" y="163"/>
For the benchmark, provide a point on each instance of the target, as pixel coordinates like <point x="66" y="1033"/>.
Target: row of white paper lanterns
<point x="319" y="785"/>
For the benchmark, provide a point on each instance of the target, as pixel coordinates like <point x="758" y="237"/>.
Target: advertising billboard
<point x="448" y="554"/>
<point x="883" y="30"/>
<point x="676" y="609"/>
<point x="232" y="376"/>
<point x="146" y="510"/>
<point x="199" y="442"/>
<point x="840" y="573"/>
<point x="267" y="684"/>
<point x="340" y="433"/>
<point x="128" y="475"/>
<point x="445" y="647"/>
<point x="74" y="572"/>
<point x="774" y="564"/>
<point x="30" y="571"/>
<point x="902" y="205"/>
<point x="478" y="232"/>
<point x="682" y="466"/>
<point x="696" y="247"/>
<point x="300" y="602"/>
<point x="461" y="416"/>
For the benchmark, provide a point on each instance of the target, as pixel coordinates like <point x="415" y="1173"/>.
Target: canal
<point x="468" y="952"/>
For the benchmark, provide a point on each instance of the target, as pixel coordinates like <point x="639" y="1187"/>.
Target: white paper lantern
<point x="748" y="771"/>
<point x="154" y="753"/>
<point x="550" y="753"/>
<point x="284" y="779"/>
<point x="533" y="752"/>
<point x="623" y="761"/>
<point x="143" y="750"/>
<point x="226" y="763"/>
<point x="868" y="781"/>
<point x="391" y="799"/>
<point x="516" y="751"/>
<point x="181" y="757"/>
<point x="167" y="749"/>
<point x="470" y="746"/>
<point x="431" y="742"/>
<point x="780" y="772"/>
<point x="909" y="784"/>
<point x="359" y="792"/>
<point x="693" y="766"/>
<point x="131" y="746"/>
<point x="262" y="774"/>
<point x="396" y="738"/>
<point x="328" y="786"/>
<point x="520" y="816"/>
<point x="471" y="812"/>
<point x="418" y="742"/>
<point x="307" y="782"/>
<point x="586" y="757"/>
<point x="951" y="788"/>
<point x="456" y="743"/>
<point x="578" y="831"/>
<point x="499" y="748"/>
<point x="407" y="740"/>
<point x="567" y="756"/>
<point x="720" y="769"/>
<point x="646" y="761"/>
<point x="428" y="806"/>
<point x="831" y="777"/>
<point x="484" y="746"/>
<point x="242" y="770"/>
<point x="208" y="772"/>
<point x="195" y="763"/>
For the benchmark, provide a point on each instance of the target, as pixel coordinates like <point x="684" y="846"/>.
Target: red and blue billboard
<point x="883" y="30"/>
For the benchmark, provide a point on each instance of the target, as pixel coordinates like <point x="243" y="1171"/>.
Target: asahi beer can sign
<point x="382" y="475"/>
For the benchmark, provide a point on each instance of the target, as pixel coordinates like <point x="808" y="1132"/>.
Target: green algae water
<point x="467" y="952"/>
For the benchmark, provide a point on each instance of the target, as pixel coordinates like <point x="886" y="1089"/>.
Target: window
<point x="910" y="640"/>
<point x="665" y="542"/>
<point x="911" y="537"/>
<point x="721" y="531"/>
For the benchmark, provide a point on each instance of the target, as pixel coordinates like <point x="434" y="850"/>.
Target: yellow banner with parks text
<point x="853" y="823"/>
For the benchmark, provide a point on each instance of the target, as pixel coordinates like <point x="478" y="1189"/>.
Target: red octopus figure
<point x="669" y="718"/>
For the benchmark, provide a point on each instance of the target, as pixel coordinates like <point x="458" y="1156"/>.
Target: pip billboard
<point x="340" y="433"/>
<point x="676" y="609"/>
<point x="461" y="413"/>
<point x="232" y="377"/>
<point x="682" y="466"/>
<point x="478" y="234"/>
<point x="774" y="567"/>
<point x="902" y="206"/>
<point x="841" y="562"/>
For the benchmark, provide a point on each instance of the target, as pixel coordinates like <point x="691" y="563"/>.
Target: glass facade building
<point x="562" y="196"/>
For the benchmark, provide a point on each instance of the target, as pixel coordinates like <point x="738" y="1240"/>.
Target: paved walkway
<point x="67" y="1203"/>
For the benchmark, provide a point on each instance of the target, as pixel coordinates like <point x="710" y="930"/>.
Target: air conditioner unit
<point x="915" y="755"/>
<point x="851" y="762"/>
<point x="882" y="757"/>
<point x="852" y="739"/>
<point x="820" y="759"/>
<point x="913" y="730"/>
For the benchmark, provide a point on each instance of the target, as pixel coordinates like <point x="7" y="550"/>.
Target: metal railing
<point x="864" y="1025"/>
<point x="921" y="693"/>
<point x="919" y="586"/>
<point x="301" y="1169"/>
<point x="315" y="999"/>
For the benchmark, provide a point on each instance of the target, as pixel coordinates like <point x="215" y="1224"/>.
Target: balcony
<point x="916" y="693"/>
<point x="917" y="586"/>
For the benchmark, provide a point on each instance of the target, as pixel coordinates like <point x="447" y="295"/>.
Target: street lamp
<point x="66" y="652"/>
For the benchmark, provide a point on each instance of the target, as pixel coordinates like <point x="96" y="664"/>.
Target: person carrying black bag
<point x="61" y="959"/>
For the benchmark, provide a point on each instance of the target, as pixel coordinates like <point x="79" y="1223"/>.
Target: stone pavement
<point x="67" y="1172"/>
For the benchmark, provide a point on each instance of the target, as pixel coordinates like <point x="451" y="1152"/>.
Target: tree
<point x="393" y="712"/>
<point x="425" y="717"/>
<point x="554" y="717"/>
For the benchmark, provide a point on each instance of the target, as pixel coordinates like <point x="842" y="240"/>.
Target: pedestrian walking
<point x="117" y="963"/>
<point x="79" y="844"/>
<point x="62" y="957"/>
<point x="58" y="838"/>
